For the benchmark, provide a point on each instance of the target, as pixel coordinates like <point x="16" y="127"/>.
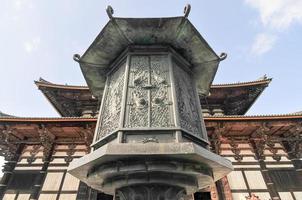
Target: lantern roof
<point x="176" y="32"/>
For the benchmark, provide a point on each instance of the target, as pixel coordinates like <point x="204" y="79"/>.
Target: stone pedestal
<point x="182" y="165"/>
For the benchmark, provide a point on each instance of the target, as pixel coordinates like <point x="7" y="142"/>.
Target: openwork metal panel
<point x="138" y="104"/>
<point x="111" y="108"/>
<point x="186" y="100"/>
<point x="149" y="100"/>
<point x="161" y="104"/>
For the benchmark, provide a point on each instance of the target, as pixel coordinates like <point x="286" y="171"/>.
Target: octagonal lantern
<point x="150" y="135"/>
<point x="150" y="90"/>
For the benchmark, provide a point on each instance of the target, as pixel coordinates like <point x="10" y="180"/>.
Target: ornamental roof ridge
<point x="42" y="82"/>
<point x="5" y="115"/>
<point x="256" y="117"/>
<point x="263" y="80"/>
<point x="46" y="119"/>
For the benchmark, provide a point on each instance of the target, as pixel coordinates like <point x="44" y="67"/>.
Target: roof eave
<point x="119" y="33"/>
<point x="206" y="118"/>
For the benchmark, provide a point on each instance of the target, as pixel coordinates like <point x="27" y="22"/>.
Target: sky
<point x="39" y="38"/>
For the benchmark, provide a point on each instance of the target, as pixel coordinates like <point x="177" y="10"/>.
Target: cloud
<point x="263" y="43"/>
<point x="18" y="4"/>
<point x="32" y="45"/>
<point x="275" y="16"/>
<point x="278" y="14"/>
<point x="22" y="4"/>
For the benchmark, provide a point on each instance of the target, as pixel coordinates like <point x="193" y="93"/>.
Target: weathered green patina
<point x="150" y="141"/>
<point x="177" y="32"/>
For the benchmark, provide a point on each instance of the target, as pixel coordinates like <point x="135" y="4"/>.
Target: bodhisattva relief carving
<point x="186" y="100"/>
<point x="112" y="103"/>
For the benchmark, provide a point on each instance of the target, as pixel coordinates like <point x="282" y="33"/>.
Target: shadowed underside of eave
<point x="26" y="128"/>
<point x="233" y="98"/>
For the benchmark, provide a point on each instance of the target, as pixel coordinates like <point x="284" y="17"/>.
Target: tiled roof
<point x="5" y="115"/>
<point x="43" y="82"/>
<point x="221" y="117"/>
<point x="243" y="84"/>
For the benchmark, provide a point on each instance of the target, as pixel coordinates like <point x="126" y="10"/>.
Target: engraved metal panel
<point x="111" y="108"/>
<point x="137" y="103"/>
<point x="148" y="103"/>
<point x="186" y="101"/>
<point x="160" y="93"/>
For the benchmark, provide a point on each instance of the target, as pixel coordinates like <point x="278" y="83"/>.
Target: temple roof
<point x="5" y="115"/>
<point x="69" y="101"/>
<point x="207" y="118"/>
<point x="290" y="116"/>
<point x="28" y="129"/>
<point x="233" y="98"/>
<point x="244" y="127"/>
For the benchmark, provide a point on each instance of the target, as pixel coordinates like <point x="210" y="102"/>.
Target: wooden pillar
<point x="292" y="143"/>
<point x="258" y="145"/>
<point x="214" y="192"/>
<point x="84" y="191"/>
<point x="222" y="185"/>
<point x="220" y="190"/>
<point x="293" y="149"/>
<point x="47" y="140"/>
<point x="39" y="180"/>
<point x="11" y="155"/>
<point x="226" y="189"/>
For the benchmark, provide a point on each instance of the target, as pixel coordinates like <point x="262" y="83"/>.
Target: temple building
<point x="264" y="150"/>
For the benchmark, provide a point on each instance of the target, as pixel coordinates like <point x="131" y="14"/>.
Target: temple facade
<point x="264" y="150"/>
